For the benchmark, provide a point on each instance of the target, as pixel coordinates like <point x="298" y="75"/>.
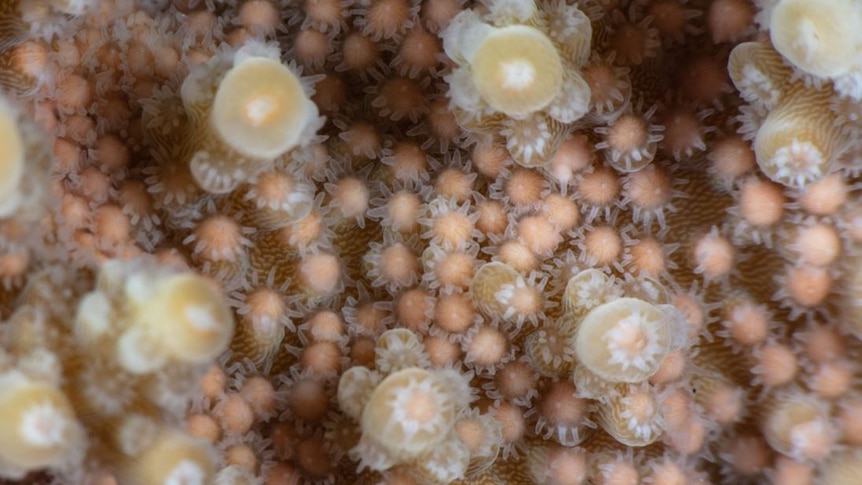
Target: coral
<point x="23" y="166"/>
<point x="798" y="140"/>
<point x="821" y="41"/>
<point x="517" y="74"/>
<point x="118" y="359"/>
<point x="430" y="241"/>
<point x="43" y="430"/>
<point x="240" y="115"/>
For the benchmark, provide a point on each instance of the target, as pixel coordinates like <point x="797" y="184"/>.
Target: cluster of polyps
<point x="158" y="317"/>
<point x="416" y="416"/>
<point x="88" y="377"/>
<point x="152" y="325"/>
<point x="625" y="350"/>
<point x="795" y="136"/>
<point x="821" y="39"/>
<point x="517" y="73"/>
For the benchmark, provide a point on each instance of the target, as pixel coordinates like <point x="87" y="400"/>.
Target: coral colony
<point x="515" y="242"/>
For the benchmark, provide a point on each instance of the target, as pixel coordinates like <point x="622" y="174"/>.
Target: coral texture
<point x="248" y="242"/>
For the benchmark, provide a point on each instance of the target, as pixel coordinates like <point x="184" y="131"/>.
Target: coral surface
<point x="561" y="242"/>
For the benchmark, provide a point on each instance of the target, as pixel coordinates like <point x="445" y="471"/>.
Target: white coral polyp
<point x="398" y="349"/>
<point x="261" y="109"/>
<point x="821" y="38"/>
<point x="515" y="298"/>
<point x="462" y="35"/>
<point x="42" y="425"/>
<point x="517" y="70"/>
<point x="572" y="101"/>
<point x="629" y="342"/>
<point x="796" y="164"/>
<point x="506" y="11"/>
<point x="39" y="426"/>
<point x="756" y="88"/>
<point x="624" y="340"/>
<point x="410" y="412"/>
<point x="640" y="411"/>
<point x="570" y="28"/>
<point x="587" y="290"/>
<point x="139" y="352"/>
<point x="462" y="89"/>
<point x="415" y="410"/>
<point x="529" y="140"/>
<point x="355" y="388"/>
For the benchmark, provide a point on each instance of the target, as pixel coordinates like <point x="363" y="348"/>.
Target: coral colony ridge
<point x="248" y="242"/>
